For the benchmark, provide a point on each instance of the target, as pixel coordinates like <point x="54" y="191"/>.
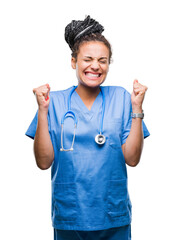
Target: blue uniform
<point x="89" y="184"/>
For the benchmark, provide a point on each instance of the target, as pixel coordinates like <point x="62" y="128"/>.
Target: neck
<point x="87" y="94"/>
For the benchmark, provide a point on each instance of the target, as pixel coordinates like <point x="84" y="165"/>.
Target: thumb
<point x="47" y="94"/>
<point x="135" y="81"/>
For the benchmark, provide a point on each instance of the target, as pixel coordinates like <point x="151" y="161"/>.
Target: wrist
<point x="42" y="111"/>
<point x="137" y="109"/>
<point x="137" y="115"/>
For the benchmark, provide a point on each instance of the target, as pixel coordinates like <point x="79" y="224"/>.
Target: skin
<point x="133" y="146"/>
<point x="43" y="149"/>
<point x="91" y="65"/>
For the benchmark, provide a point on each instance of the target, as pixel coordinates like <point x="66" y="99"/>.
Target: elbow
<point x="133" y="158"/>
<point x="44" y="163"/>
<point x="43" y="166"/>
<point x="132" y="163"/>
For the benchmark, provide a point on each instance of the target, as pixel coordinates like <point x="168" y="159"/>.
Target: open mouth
<point x="92" y="75"/>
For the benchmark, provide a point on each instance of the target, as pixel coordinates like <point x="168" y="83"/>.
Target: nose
<point x="95" y="65"/>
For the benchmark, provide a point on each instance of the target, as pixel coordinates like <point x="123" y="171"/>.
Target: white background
<point x="33" y="52"/>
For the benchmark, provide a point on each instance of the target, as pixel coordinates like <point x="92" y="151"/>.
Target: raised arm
<point x="43" y="149"/>
<point x="132" y="148"/>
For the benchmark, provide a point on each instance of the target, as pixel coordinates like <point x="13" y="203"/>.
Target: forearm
<point x="132" y="149"/>
<point x="43" y="149"/>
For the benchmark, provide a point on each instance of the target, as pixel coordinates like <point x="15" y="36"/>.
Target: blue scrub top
<point x="89" y="184"/>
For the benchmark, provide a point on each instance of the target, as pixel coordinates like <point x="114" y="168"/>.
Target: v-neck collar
<point x="83" y="109"/>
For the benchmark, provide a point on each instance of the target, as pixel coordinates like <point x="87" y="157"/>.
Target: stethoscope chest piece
<point x="100" y="139"/>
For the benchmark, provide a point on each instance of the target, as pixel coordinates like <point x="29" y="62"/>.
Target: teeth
<point x="92" y="74"/>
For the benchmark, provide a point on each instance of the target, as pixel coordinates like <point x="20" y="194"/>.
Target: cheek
<point x="106" y="69"/>
<point x="81" y="68"/>
<point x="79" y="73"/>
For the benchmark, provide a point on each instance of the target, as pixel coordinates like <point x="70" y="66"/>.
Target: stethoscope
<point x="99" y="138"/>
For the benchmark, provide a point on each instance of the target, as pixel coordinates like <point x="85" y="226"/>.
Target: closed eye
<point x="103" y="61"/>
<point x="87" y="60"/>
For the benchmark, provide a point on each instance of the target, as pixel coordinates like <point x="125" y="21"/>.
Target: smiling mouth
<point x="93" y="75"/>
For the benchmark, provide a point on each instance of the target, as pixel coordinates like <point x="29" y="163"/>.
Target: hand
<point x="137" y="96"/>
<point x="42" y="96"/>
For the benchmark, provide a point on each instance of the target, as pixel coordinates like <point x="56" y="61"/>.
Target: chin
<point x="91" y="83"/>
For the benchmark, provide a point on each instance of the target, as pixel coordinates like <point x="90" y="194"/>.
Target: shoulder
<point x="116" y="91"/>
<point x="59" y="99"/>
<point x="61" y="93"/>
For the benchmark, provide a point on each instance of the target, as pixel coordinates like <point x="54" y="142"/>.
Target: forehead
<point x="93" y="49"/>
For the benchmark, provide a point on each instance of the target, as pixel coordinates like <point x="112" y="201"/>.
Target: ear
<point x="73" y="63"/>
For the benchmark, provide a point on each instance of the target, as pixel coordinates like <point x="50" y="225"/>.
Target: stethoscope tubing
<point x="71" y="114"/>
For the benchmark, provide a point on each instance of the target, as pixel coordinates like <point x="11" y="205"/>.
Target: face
<point x="92" y="64"/>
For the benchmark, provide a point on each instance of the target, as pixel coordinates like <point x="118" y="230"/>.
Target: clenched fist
<point x="42" y="96"/>
<point x="137" y="96"/>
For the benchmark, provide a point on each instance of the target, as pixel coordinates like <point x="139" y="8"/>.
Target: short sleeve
<point x="33" y="126"/>
<point x="127" y="119"/>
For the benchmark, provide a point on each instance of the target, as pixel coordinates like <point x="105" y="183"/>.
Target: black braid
<point x="77" y="29"/>
<point x="78" y="32"/>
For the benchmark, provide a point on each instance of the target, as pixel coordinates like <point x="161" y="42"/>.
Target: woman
<point x="88" y="134"/>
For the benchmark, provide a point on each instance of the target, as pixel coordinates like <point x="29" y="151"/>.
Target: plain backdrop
<point x="33" y="52"/>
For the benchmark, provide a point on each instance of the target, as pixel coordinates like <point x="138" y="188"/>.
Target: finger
<point x="47" y="94"/>
<point x="136" y="90"/>
<point x="47" y="98"/>
<point x="140" y="91"/>
<point x="48" y="86"/>
<point x="136" y="84"/>
<point x="42" y="91"/>
<point x="135" y="81"/>
<point x="140" y="88"/>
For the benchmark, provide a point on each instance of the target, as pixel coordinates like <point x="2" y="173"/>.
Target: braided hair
<point x="88" y="30"/>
